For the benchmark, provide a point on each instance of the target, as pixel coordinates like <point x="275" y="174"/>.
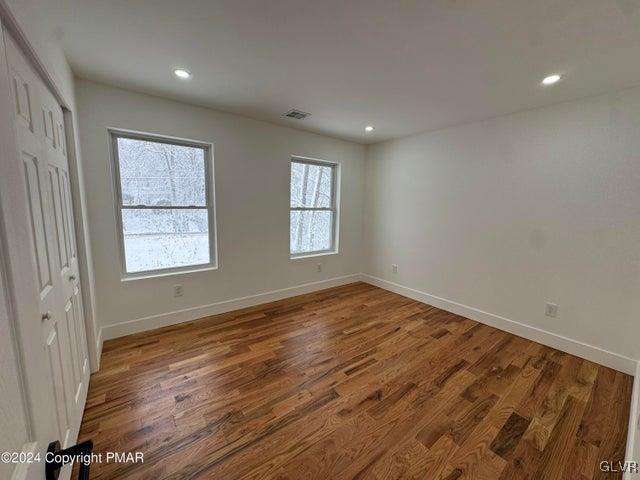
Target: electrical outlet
<point x="319" y="267"/>
<point x="177" y="290"/>
<point x="551" y="310"/>
<point x="394" y="268"/>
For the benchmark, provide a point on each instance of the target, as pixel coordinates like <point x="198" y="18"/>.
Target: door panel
<point x="70" y="327"/>
<point x="66" y="196"/>
<point x="57" y="384"/>
<point x="22" y="101"/>
<point x="36" y="209"/>
<point x="81" y="338"/>
<point x="60" y="225"/>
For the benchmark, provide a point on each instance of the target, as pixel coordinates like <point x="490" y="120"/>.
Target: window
<point x="313" y="207"/>
<point x="164" y="203"/>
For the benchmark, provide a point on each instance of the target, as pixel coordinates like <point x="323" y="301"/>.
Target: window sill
<point x="160" y="274"/>
<point x="312" y="255"/>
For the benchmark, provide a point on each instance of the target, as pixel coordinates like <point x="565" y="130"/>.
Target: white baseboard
<point x="109" y="332"/>
<point x="632" y="452"/>
<point x="565" y="344"/>
<point x="574" y="347"/>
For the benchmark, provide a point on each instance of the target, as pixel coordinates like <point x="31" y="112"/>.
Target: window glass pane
<point x="161" y="174"/>
<point x="156" y="239"/>
<point x="310" y="230"/>
<point x="311" y="185"/>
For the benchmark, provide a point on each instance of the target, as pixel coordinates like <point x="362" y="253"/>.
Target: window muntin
<point x="165" y="207"/>
<point x="312" y="207"/>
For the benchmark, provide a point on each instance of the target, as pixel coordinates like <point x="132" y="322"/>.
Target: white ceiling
<point x="401" y="65"/>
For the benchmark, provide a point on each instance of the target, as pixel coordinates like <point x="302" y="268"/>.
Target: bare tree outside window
<point x="164" y="204"/>
<point x="313" y="207"/>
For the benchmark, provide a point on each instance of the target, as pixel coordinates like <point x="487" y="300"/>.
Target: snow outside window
<point x="312" y="208"/>
<point x="164" y="203"/>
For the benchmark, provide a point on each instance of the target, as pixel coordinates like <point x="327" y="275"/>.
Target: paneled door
<point x="56" y="340"/>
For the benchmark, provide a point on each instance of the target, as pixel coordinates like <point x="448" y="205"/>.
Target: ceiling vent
<point x="296" y="114"/>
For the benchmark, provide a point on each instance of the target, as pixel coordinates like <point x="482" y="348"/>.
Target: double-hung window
<point x="313" y="209"/>
<point x="164" y="203"/>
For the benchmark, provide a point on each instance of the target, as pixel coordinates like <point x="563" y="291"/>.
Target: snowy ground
<point x="153" y="252"/>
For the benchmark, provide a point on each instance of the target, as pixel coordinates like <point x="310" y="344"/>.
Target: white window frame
<point x="335" y="178"/>
<point x="114" y="134"/>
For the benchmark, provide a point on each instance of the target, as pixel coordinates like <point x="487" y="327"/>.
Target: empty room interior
<point x="337" y="239"/>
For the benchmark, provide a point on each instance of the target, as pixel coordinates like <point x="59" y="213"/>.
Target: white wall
<point x="506" y="214"/>
<point x="252" y="205"/>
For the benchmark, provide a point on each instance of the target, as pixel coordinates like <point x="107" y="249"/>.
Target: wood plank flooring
<point x="351" y="382"/>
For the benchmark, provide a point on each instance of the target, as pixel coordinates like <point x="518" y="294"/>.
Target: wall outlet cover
<point x="551" y="310"/>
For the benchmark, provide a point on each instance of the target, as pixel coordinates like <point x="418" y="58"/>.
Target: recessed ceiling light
<point x="182" y="73"/>
<point x="551" y="79"/>
<point x="369" y="128"/>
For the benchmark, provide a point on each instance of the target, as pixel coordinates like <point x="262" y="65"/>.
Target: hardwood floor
<point x="351" y="382"/>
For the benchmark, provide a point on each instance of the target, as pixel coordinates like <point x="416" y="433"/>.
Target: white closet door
<point x="71" y="323"/>
<point x="62" y="364"/>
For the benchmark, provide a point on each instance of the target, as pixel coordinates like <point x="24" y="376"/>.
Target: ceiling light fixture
<point x="551" y="79"/>
<point x="369" y="128"/>
<point x="182" y="73"/>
